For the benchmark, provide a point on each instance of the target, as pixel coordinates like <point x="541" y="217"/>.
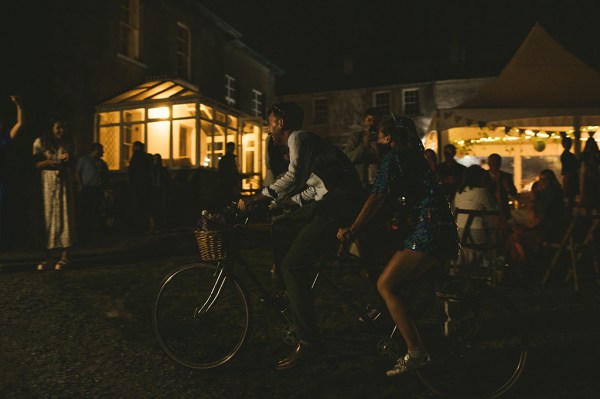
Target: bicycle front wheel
<point x="201" y="315"/>
<point x="477" y="352"/>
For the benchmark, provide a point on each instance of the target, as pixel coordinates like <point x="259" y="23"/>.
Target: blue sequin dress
<point x="417" y="192"/>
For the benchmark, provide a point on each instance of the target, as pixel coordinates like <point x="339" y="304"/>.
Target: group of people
<point x="334" y="196"/>
<point x="149" y="183"/>
<point x="385" y="168"/>
<point x="75" y="191"/>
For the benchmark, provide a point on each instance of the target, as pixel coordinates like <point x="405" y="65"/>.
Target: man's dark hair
<point x="138" y="145"/>
<point x="374" y="111"/>
<point x="95" y="146"/>
<point x="450" y="147"/>
<point x="495" y="157"/>
<point x="291" y="113"/>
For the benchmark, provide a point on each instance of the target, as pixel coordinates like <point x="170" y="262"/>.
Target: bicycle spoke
<point x="196" y="335"/>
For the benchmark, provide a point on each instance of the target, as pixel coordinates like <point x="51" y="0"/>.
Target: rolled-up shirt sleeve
<point x="305" y="196"/>
<point x="281" y="186"/>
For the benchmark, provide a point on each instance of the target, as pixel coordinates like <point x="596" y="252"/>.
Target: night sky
<point x="388" y="42"/>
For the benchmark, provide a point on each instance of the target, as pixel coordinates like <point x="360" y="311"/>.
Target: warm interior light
<point x="158" y="113"/>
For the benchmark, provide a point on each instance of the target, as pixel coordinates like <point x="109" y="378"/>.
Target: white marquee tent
<point x="542" y="92"/>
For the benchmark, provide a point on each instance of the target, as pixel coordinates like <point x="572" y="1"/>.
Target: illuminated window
<point x="183" y="51"/>
<point x="129" y="28"/>
<point x="257" y="103"/>
<point x="230" y="90"/>
<point x="411" y="102"/>
<point x="158" y="113"/>
<point x="131" y="133"/>
<point x="184" y="143"/>
<point x="109" y="138"/>
<point x="321" y="110"/>
<point x="381" y="101"/>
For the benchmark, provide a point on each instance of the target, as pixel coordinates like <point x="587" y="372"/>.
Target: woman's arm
<point x="17" y="126"/>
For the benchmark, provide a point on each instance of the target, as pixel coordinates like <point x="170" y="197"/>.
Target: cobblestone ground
<point x="86" y="333"/>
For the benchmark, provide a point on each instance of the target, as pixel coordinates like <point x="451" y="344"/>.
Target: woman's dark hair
<point x="550" y="177"/>
<point x="404" y="132"/>
<point x="431" y="153"/>
<point x="474" y="177"/>
<point x="50" y="142"/>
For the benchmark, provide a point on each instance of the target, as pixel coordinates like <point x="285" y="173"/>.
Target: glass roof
<point x="154" y="90"/>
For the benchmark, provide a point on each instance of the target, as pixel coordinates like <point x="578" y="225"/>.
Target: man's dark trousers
<point x="299" y="239"/>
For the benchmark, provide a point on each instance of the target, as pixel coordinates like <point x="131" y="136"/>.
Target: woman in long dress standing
<point x="53" y="154"/>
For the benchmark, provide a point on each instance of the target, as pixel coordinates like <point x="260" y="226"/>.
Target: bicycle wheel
<point x="201" y="315"/>
<point x="482" y="355"/>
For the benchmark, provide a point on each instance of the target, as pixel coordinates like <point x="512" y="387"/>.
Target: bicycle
<point x="202" y="317"/>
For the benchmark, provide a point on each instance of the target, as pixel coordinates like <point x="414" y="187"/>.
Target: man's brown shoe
<point x="300" y="353"/>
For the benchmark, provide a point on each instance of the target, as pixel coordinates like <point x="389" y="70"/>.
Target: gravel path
<point x="86" y="333"/>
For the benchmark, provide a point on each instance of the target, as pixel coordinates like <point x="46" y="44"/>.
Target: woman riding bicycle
<point x="421" y="208"/>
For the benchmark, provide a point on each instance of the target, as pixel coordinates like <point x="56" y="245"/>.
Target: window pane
<point x="159" y="113"/>
<point x="107" y="118"/>
<point x="133" y="115"/>
<point x="184" y="110"/>
<point x="232" y="136"/>
<point x="220" y="117"/>
<point x="232" y="121"/>
<point x="109" y="138"/>
<point x="382" y="102"/>
<point x="411" y="102"/>
<point x="184" y="143"/>
<point x="321" y="110"/>
<point x="217" y="147"/>
<point x="206" y="112"/>
<point x="158" y="139"/>
<point x="205" y="140"/>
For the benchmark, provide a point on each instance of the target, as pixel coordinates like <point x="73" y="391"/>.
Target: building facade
<point x="87" y="57"/>
<point x="334" y="114"/>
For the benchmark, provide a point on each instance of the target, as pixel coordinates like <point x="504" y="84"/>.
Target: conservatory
<point x="187" y="130"/>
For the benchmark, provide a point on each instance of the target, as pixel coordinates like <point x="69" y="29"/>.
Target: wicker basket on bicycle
<point x="213" y="244"/>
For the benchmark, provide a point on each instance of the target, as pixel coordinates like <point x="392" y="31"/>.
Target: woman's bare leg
<point x="405" y="265"/>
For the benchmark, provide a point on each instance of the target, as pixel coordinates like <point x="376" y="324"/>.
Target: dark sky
<point x="397" y="41"/>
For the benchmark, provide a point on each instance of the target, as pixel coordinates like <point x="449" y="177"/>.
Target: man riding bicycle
<point x="322" y="181"/>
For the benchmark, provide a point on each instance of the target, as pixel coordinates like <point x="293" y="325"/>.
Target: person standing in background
<point x="361" y="147"/>
<point x="230" y="181"/>
<point x="450" y="172"/>
<point x="90" y="176"/>
<point x="431" y="158"/>
<point x="570" y="173"/>
<point x="141" y="183"/>
<point x="6" y="137"/>
<point x="501" y="184"/>
<point x="590" y="175"/>
<point x="53" y="154"/>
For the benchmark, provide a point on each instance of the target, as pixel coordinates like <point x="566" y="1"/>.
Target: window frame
<point x="258" y="103"/>
<point x="131" y="28"/>
<point x="388" y="110"/>
<point x="405" y="103"/>
<point x="184" y="71"/>
<point x="230" y="89"/>
<point x="321" y="115"/>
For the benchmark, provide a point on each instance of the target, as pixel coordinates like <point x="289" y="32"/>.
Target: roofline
<point x="257" y="56"/>
<point x="220" y="23"/>
<point x="235" y="37"/>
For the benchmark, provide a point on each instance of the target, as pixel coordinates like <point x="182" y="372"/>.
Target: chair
<point x="575" y="244"/>
<point x="489" y="248"/>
